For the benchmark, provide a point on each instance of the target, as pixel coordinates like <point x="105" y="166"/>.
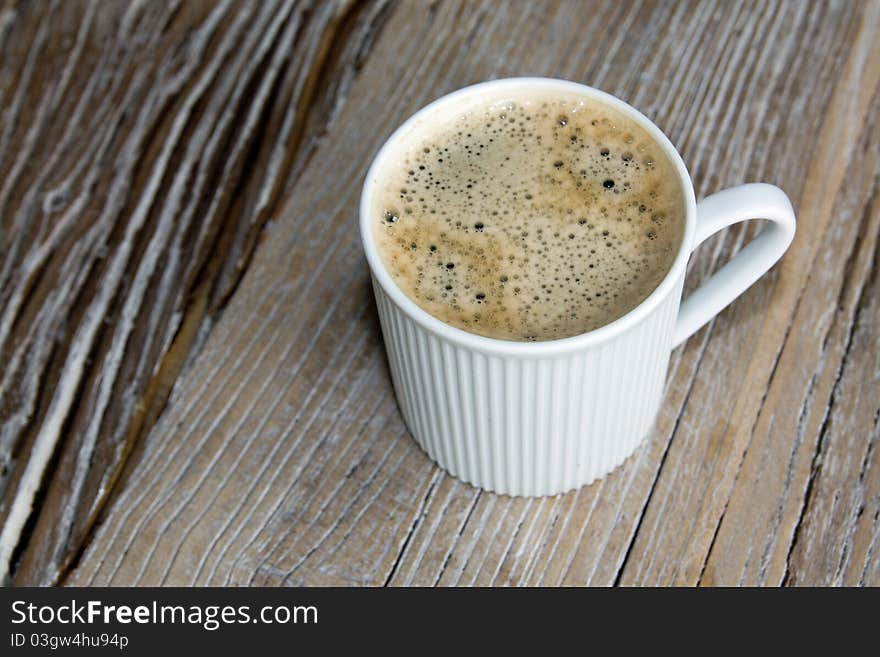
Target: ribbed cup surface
<point x="528" y="425"/>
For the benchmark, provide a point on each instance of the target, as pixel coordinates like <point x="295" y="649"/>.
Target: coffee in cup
<point x="536" y="217"/>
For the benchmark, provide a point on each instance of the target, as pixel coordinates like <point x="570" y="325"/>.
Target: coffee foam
<point x="532" y="218"/>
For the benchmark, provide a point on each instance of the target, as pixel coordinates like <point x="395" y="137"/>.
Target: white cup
<point x="540" y="418"/>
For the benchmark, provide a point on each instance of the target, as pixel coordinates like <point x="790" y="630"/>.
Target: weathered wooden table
<point x="193" y="386"/>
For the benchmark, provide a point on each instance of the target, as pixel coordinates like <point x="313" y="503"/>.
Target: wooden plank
<point x="281" y="458"/>
<point x="144" y="147"/>
<point x="692" y="494"/>
<point x="838" y="539"/>
<point x="754" y="541"/>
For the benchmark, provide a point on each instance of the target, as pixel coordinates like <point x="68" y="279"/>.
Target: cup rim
<point x="486" y="344"/>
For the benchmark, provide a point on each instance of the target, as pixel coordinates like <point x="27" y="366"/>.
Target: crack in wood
<point x="417" y="517"/>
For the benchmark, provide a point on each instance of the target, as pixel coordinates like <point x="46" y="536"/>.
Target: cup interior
<point x="497" y="91"/>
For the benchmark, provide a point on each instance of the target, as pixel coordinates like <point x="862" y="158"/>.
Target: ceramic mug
<point x="539" y="418"/>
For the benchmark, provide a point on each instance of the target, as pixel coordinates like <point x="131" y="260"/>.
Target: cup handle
<point x="751" y="201"/>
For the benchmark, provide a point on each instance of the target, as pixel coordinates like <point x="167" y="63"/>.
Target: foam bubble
<point x="533" y="219"/>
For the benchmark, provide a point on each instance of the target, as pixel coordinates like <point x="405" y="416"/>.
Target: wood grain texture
<point x="190" y="353"/>
<point x="145" y="146"/>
